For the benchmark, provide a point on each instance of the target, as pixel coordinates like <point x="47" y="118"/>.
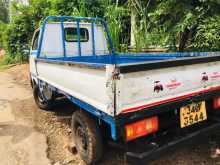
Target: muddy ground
<point x="55" y="125"/>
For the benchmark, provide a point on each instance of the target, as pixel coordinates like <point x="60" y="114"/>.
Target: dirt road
<point x="20" y="142"/>
<point x="32" y="136"/>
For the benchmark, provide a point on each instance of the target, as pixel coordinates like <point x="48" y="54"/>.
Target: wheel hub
<point x="45" y="94"/>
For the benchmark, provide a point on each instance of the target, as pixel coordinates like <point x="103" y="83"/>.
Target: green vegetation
<point x="4" y="10"/>
<point x="186" y="25"/>
<point x="5" y="62"/>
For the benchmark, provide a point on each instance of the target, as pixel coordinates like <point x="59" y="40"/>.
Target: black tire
<point x="40" y="101"/>
<point x="87" y="137"/>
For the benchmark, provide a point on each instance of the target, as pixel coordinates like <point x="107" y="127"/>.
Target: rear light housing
<point x="141" y="128"/>
<point x="216" y="103"/>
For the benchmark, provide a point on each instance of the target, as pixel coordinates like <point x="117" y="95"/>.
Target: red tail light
<point x="141" y="128"/>
<point x="216" y="103"/>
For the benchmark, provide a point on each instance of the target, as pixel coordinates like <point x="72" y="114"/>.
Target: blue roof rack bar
<point x="78" y="38"/>
<point x="78" y="19"/>
<point x="93" y="39"/>
<point x="63" y="38"/>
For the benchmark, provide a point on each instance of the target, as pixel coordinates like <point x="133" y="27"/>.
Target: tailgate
<point x="149" y="84"/>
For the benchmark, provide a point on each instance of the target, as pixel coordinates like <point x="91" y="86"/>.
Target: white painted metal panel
<point x="86" y="84"/>
<point x="52" y="45"/>
<point x="32" y="64"/>
<point x="52" y="41"/>
<point x="143" y="88"/>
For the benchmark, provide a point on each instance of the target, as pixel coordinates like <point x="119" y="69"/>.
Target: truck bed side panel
<point x="137" y="90"/>
<point x="86" y="84"/>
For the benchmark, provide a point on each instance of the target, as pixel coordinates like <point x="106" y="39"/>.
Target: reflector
<point x="216" y="103"/>
<point x="141" y="128"/>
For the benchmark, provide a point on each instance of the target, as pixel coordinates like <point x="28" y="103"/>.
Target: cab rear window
<point x="71" y="34"/>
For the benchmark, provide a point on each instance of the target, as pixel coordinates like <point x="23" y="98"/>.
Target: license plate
<point x="192" y="113"/>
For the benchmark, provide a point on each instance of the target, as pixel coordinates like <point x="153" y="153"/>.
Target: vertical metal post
<point x="78" y="37"/>
<point x="41" y="37"/>
<point x="63" y="38"/>
<point x="112" y="53"/>
<point x="93" y="39"/>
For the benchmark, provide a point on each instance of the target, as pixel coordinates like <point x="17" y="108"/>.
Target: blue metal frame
<point x="93" y="39"/>
<point x="78" y="38"/>
<point x="102" y="60"/>
<point x="78" y="20"/>
<point x="63" y="38"/>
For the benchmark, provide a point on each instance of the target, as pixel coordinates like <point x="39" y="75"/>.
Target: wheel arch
<point x="101" y="117"/>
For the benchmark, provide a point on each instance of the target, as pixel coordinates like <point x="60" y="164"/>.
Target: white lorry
<point x="147" y="103"/>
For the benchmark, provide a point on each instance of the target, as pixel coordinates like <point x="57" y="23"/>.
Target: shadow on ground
<point x="114" y="156"/>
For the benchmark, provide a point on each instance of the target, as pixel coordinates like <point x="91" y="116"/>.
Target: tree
<point x="181" y="20"/>
<point x="207" y="36"/>
<point x="92" y="8"/>
<point x="4" y="18"/>
<point x="4" y="11"/>
<point x="134" y="15"/>
<point x="179" y="25"/>
<point x="2" y="29"/>
<point x="117" y="17"/>
<point x="19" y="33"/>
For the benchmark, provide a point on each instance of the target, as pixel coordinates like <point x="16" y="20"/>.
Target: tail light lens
<point x="216" y="103"/>
<point x="141" y="128"/>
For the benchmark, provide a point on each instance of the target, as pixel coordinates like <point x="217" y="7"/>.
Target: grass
<point x="5" y="63"/>
<point x="4" y="67"/>
<point x="8" y="61"/>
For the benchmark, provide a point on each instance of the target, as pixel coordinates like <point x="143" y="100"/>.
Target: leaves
<point x="115" y="15"/>
<point x="18" y="33"/>
<point x="4" y="17"/>
<point x="208" y="34"/>
<point x="178" y="25"/>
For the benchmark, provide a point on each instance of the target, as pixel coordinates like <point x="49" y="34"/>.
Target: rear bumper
<point x="144" y="150"/>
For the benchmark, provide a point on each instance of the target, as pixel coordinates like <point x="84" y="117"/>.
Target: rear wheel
<point x="87" y="137"/>
<point x="44" y="98"/>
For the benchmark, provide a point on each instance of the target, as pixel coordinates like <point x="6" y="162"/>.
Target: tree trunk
<point x="183" y="39"/>
<point x="133" y="26"/>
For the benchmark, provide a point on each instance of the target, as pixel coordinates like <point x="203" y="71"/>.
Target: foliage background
<point x="186" y="25"/>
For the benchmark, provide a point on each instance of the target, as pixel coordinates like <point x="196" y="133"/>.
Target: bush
<point x="2" y="30"/>
<point x="7" y="60"/>
<point x="18" y="36"/>
<point x="208" y="35"/>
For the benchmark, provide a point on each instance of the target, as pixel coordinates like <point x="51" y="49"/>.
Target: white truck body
<point x="134" y="90"/>
<point x="127" y="95"/>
